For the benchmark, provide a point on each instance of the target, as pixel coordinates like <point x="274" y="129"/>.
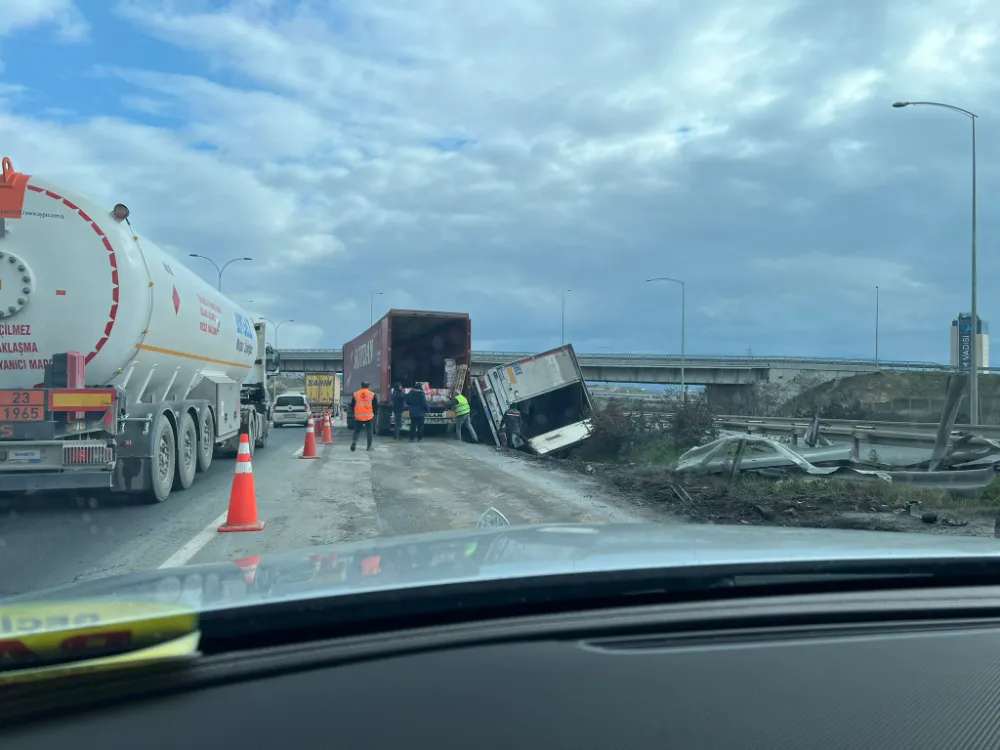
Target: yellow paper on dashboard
<point x="34" y="636"/>
<point x="185" y="647"/>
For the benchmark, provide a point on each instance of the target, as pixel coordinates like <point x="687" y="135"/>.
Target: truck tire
<point x="206" y="441"/>
<point x="161" y="466"/>
<point x="383" y="423"/>
<point x="265" y="432"/>
<point x="187" y="452"/>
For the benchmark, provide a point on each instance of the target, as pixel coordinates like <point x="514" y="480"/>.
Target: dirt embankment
<point x="637" y="462"/>
<point x="818" y="503"/>
<point x="891" y="395"/>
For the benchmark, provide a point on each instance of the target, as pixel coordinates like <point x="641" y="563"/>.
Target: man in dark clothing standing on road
<point x="416" y="403"/>
<point x="364" y="405"/>
<point x="398" y="406"/>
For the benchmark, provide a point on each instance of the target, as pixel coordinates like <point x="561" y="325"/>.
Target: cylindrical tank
<point x="74" y="277"/>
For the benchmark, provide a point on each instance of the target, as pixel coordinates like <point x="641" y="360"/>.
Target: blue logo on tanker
<point x="244" y="327"/>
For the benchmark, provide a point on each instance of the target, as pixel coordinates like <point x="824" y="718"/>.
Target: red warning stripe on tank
<point x="113" y="314"/>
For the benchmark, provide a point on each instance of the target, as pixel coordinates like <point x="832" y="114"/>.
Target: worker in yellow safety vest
<point x="364" y="404"/>
<point x="463" y="417"/>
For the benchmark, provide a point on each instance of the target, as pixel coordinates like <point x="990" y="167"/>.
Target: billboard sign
<point x="965" y="343"/>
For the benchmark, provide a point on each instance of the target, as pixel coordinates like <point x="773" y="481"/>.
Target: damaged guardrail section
<point x="961" y="463"/>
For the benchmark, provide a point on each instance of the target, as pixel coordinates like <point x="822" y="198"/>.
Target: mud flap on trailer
<point x="130" y="475"/>
<point x="135" y="450"/>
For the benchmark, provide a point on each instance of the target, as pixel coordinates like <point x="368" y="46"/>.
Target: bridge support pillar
<point x="727" y="399"/>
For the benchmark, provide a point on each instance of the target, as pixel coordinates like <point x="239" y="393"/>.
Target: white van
<point x="291" y="408"/>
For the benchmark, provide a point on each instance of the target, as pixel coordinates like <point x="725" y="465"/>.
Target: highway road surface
<point x="398" y="488"/>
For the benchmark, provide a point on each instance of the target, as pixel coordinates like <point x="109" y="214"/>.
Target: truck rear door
<point x="494" y="401"/>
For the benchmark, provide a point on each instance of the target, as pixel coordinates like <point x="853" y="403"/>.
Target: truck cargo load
<point x="322" y="390"/>
<point x="135" y="369"/>
<point x="410" y="346"/>
<point x="548" y="392"/>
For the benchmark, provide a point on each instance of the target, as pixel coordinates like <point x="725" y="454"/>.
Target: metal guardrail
<point x="660" y="360"/>
<point x="876" y="432"/>
<point x="758" y="361"/>
<point x="899" y="434"/>
<point x="739" y="420"/>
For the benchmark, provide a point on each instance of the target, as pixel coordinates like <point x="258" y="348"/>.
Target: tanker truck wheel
<point x="263" y="434"/>
<point x="206" y="442"/>
<point x="187" y="452"/>
<point x="161" y="466"/>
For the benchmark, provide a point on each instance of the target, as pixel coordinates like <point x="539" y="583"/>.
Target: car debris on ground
<point x="963" y="464"/>
<point x="939" y="483"/>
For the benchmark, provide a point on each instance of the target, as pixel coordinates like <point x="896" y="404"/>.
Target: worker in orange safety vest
<point x="364" y="404"/>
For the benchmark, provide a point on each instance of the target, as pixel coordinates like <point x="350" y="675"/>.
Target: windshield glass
<point x="710" y="269"/>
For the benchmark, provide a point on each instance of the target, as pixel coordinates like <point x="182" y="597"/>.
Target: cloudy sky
<point x="458" y="155"/>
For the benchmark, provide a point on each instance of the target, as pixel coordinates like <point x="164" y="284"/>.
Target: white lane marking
<point x="298" y="452"/>
<point x="192" y="548"/>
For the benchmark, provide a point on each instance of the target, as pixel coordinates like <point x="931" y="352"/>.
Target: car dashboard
<point x="899" y="669"/>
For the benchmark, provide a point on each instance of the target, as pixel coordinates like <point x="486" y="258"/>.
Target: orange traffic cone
<point x="327" y="431"/>
<point x="243" y="498"/>
<point x="249" y="567"/>
<point x="309" y="449"/>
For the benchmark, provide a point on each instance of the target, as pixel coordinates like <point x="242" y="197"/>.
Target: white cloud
<point x="19" y="15"/>
<point x="844" y="95"/>
<point x="462" y="156"/>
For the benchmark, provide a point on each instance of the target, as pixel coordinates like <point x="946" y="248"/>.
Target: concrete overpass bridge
<point x="717" y="373"/>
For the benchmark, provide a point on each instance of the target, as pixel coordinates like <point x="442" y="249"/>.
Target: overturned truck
<point x="540" y="403"/>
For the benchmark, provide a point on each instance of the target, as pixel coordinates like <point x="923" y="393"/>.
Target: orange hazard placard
<point x="12" y="187"/>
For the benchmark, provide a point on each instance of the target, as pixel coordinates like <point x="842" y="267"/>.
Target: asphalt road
<point x="398" y="488"/>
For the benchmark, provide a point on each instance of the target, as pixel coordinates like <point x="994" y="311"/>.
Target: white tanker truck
<point x="119" y="368"/>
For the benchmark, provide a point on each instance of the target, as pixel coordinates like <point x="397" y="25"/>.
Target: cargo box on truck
<point x="549" y="393"/>
<point x="321" y="390"/>
<point x="410" y="346"/>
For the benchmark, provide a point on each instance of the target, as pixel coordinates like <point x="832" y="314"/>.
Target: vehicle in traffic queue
<point x="292" y="409"/>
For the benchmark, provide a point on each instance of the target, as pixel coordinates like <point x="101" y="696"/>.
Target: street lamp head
<point x="248" y="259"/>
<point x="900" y="105"/>
<point x="193" y="255"/>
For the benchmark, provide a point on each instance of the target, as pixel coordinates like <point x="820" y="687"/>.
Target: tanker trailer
<point x="120" y="368"/>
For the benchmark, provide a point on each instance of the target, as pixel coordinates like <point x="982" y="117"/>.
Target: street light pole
<point x="371" y="307"/>
<point x="563" y="329"/>
<point x="683" y="325"/>
<point x="219" y="270"/>
<point x="278" y="328"/>
<point x="876" y="327"/>
<point x="973" y="339"/>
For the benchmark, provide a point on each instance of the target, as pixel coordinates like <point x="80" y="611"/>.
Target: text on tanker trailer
<point x="119" y="367"/>
<point x="410" y="346"/>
